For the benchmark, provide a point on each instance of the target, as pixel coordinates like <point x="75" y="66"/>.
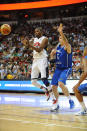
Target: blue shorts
<point x="82" y="88"/>
<point x="60" y="75"/>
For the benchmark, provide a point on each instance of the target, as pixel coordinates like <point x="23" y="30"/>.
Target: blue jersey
<point x="63" y="59"/>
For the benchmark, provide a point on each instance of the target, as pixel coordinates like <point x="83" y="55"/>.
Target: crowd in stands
<point x="16" y="59"/>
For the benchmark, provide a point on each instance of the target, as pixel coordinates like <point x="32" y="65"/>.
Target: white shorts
<point x="39" y="66"/>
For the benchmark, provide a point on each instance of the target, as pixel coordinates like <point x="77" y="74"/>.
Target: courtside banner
<point x="36" y="4"/>
<point x="28" y="87"/>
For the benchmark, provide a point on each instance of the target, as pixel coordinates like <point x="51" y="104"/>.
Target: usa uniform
<point x="63" y="65"/>
<point x="40" y="61"/>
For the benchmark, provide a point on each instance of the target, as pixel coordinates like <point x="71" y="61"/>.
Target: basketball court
<point x="24" y="112"/>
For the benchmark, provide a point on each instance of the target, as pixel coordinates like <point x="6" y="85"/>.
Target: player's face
<point x="37" y="33"/>
<point x="60" y="40"/>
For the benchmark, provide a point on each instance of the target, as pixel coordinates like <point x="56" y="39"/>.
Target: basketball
<point x="5" y="29"/>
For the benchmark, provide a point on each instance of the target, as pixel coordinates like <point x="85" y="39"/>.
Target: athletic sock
<point x="50" y="92"/>
<point x="69" y="97"/>
<point x="83" y="105"/>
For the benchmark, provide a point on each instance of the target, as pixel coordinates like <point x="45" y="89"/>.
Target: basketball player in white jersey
<point x="40" y="61"/>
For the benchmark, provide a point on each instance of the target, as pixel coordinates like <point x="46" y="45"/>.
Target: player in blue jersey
<point x="79" y="88"/>
<point x="63" y="68"/>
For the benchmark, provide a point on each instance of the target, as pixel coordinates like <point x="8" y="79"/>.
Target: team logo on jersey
<point x="58" y="51"/>
<point x="36" y="44"/>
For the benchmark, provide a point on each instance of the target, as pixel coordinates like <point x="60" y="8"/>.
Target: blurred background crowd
<point x="16" y="59"/>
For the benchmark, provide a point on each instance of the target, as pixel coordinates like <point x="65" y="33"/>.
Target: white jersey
<point x="37" y="43"/>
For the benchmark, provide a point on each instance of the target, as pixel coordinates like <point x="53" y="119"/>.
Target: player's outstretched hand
<point x="60" y="28"/>
<point x="24" y="41"/>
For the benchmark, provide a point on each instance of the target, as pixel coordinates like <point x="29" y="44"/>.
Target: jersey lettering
<point x="36" y="44"/>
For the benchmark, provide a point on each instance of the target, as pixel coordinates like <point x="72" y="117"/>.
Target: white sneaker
<point x="82" y="113"/>
<point x="55" y="106"/>
<point x="47" y="94"/>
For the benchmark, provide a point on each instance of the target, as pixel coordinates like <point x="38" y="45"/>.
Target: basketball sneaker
<point x="72" y="105"/>
<point x="55" y="106"/>
<point x="83" y="113"/>
<point x="47" y="94"/>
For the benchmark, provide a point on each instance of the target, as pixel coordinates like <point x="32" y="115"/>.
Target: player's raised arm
<point x="53" y="52"/>
<point x="64" y="39"/>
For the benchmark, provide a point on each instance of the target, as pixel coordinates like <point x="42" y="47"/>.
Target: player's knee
<point x="61" y="85"/>
<point x="54" y="87"/>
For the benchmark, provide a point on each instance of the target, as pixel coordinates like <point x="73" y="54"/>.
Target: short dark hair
<point x="39" y="28"/>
